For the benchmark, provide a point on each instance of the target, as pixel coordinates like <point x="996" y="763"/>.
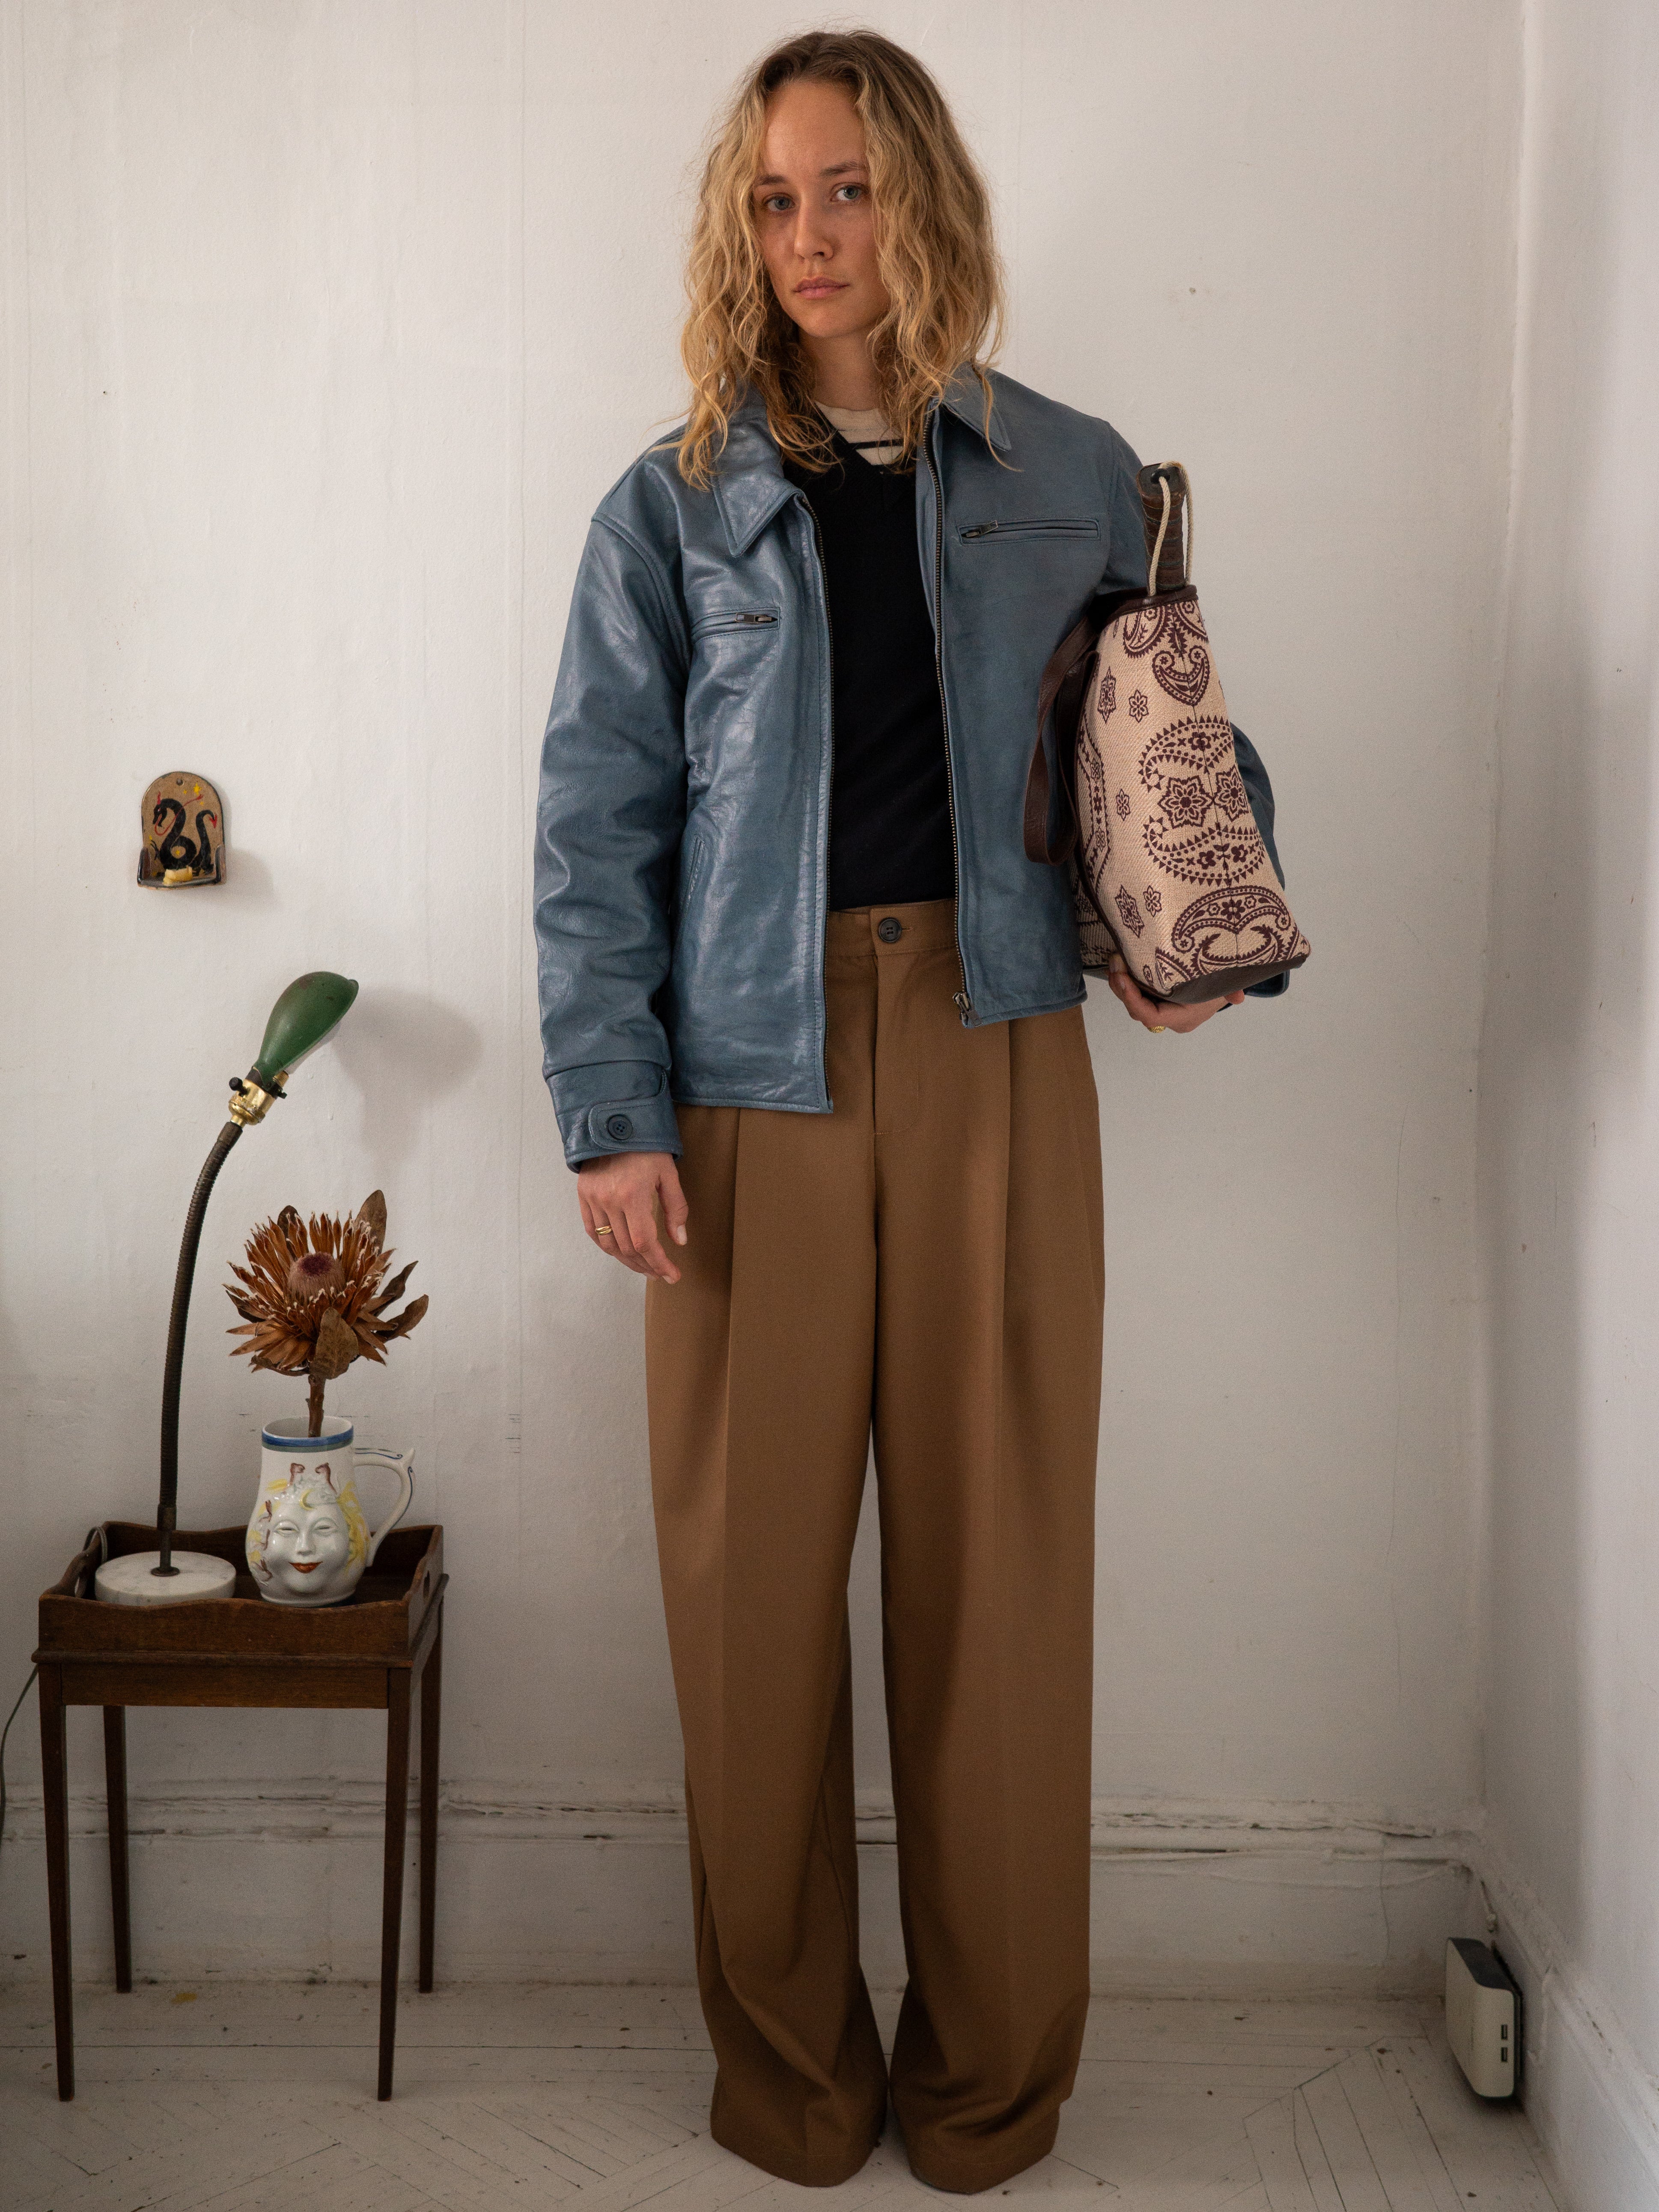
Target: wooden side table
<point x="369" y="1652"/>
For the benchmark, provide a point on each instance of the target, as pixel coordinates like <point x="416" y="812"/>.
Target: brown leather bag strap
<point x="1060" y="691"/>
<point x="1165" y="505"/>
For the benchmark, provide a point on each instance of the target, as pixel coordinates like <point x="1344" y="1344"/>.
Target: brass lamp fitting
<point x="252" y="1098"/>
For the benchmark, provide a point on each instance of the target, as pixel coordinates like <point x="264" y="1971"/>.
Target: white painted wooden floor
<point x="255" y="2097"/>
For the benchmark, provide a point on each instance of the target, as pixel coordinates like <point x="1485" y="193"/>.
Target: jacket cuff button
<point x="618" y="1126"/>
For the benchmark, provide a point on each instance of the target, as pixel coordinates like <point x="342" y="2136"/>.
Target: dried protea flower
<point x="313" y="1272"/>
<point x="314" y="1298"/>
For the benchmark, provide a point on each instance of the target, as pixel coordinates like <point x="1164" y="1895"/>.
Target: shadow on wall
<point x="1567" y="1001"/>
<point x="402" y="1051"/>
<point x="248" y="882"/>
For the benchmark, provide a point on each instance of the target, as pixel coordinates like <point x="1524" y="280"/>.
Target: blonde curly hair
<point x="935" y="252"/>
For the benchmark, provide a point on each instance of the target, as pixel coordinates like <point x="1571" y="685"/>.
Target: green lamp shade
<point x="309" y="1010"/>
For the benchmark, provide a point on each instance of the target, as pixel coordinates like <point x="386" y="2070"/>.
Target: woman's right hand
<point x="619" y="1196"/>
<point x="1154" y="1014"/>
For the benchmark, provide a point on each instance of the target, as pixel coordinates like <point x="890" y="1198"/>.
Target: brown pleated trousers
<point x="928" y="1258"/>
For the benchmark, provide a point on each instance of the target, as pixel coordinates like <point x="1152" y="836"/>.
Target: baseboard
<point x="1188" y="1899"/>
<point x="1269" y="1899"/>
<point x="1594" y="2107"/>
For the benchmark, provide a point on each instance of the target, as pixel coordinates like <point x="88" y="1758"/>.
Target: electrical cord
<point x="4" y="1733"/>
<point x="99" y="1536"/>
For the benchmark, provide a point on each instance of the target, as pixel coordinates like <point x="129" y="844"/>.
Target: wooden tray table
<point x="241" y="1651"/>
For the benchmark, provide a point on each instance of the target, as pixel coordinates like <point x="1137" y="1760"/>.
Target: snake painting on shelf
<point x="182" y="821"/>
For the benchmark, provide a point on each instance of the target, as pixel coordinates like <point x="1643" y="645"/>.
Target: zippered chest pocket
<point x="760" y="620"/>
<point x="1046" y="525"/>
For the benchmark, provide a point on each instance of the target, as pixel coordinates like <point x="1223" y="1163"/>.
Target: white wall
<point x="326" y="325"/>
<point x="1570" y="1115"/>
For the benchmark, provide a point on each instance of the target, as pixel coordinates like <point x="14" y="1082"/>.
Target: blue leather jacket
<point x="682" y="831"/>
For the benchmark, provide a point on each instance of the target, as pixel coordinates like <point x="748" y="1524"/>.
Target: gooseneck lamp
<point x="308" y="1012"/>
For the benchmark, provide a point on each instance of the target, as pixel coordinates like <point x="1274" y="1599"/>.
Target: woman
<point x="788" y="939"/>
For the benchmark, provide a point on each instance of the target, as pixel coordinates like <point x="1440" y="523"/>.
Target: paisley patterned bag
<point x="1167" y="865"/>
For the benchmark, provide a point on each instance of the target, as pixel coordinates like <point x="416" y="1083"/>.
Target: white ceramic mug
<point x="309" y="1540"/>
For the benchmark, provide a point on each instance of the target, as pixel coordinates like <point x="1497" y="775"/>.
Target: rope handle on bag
<point x="1166" y="495"/>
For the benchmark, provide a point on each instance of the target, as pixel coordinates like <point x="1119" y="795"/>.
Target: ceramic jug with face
<point x="309" y="1541"/>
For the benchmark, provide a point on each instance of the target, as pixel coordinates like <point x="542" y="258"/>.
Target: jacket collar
<point x="964" y="397"/>
<point x="750" y="485"/>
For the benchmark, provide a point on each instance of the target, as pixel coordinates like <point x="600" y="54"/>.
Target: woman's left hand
<point x="1150" y="1013"/>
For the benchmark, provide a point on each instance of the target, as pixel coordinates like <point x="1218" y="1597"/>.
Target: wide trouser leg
<point x="987" y="1398"/>
<point x="759" y="1380"/>
<point x="930" y="1250"/>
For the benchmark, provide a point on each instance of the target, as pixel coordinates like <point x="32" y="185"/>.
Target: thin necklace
<point x="858" y="445"/>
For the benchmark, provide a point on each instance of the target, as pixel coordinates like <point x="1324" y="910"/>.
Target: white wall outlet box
<point x="1483" y="2017"/>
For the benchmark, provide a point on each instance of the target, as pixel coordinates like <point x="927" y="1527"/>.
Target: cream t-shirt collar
<point x="867" y="430"/>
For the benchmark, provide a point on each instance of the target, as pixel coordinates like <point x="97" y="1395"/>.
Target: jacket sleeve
<point x="608" y="821"/>
<point x="1125" y="551"/>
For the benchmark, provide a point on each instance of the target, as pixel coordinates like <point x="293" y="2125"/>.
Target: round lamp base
<point x="131" y="1580"/>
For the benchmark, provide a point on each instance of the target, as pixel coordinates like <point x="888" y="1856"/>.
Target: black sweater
<point x="889" y="805"/>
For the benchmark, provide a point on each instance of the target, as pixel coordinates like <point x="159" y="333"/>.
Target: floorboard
<point x="261" y="2099"/>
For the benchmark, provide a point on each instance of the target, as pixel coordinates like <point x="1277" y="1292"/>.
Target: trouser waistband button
<point x="890" y="929"/>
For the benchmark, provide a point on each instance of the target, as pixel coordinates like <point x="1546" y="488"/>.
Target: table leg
<point x="392" y="1898"/>
<point x="431" y="1701"/>
<point x="55" y="1782"/>
<point x="115" y="1790"/>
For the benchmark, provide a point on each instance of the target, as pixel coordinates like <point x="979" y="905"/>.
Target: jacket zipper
<point x="1033" y="529"/>
<point x="959" y="1000"/>
<point x="732" y="622"/>
<point x="802" y="501"/>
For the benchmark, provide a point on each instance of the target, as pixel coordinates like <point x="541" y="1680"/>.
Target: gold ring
<point x="1156" y="1029"/>
<point x="606" y="1232"/>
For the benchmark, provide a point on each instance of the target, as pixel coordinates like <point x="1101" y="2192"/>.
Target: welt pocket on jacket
<point x="693" y="846"/>
<point x="759" y="619"/>
<point x="1045" y="525"/>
